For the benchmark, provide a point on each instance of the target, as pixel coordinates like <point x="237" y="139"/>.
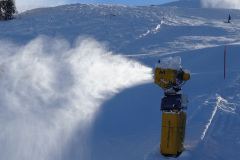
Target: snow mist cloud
<point x="49" y="90"/>
<point x="231" y="4"/>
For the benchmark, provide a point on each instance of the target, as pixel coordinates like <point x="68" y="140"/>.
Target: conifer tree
<point x="7" y="9"/>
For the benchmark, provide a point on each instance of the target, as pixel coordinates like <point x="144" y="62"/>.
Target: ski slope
<point x="77" y="81"/>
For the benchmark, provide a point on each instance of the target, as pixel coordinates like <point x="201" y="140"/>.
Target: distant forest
<point x="7" y="9"/>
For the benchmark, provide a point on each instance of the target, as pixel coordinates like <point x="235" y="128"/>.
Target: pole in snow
<point x="163" y="16"/>
<point x="224" y="62"/>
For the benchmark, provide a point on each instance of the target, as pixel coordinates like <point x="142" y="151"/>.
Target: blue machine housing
<point x="173" y="102"/>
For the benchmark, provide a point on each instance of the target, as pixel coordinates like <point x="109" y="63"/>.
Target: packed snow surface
<point x="77" y="81"/>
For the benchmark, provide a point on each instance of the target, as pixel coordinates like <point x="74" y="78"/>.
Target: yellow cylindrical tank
<point x="173" y="133"/>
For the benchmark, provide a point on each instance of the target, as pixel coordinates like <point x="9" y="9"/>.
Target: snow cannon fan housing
<point x="169" y="74"/>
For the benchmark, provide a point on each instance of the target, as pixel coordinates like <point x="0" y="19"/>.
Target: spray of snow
<point x="49" y="89"/>
<point x="231" y="4"/>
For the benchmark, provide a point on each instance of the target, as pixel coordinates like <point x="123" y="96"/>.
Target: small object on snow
<point x="229" y="18"/>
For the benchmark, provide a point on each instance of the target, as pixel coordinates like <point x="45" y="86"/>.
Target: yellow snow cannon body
<point x="167" y="78"/>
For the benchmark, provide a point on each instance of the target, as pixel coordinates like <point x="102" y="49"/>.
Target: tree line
<point x="7" y="9"/>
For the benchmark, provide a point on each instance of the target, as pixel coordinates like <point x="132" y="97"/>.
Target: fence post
<point x="224" y="62"/>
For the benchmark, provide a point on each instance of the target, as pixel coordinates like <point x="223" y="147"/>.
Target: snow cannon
<point x="170" y="76"/>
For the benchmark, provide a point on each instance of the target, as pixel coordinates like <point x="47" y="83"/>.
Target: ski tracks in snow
<point x="223" y="112"/>
<point x="220" y="104"/>
<point x="224" y="104"/>
<point x="154" y="31"/>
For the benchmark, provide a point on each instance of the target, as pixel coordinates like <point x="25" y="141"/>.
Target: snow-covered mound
<point x="76" y="81"/>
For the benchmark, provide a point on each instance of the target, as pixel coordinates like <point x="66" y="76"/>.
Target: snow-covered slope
<point x="76" y="81"/>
